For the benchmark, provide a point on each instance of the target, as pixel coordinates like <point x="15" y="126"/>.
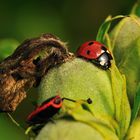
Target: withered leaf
<point x="26" y="66"/>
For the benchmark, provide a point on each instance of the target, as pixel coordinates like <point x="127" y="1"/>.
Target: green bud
<point x="68" y="130"/>
<point x="126" y="48"/>
<point x="79" y="80"/>
<point x="123" y="35"/>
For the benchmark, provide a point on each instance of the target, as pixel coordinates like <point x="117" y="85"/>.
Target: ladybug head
<point x="103" y="61"/>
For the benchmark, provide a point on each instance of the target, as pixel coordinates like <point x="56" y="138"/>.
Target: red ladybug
<point x="48" y="109"/>
<point x="97" y="53"/>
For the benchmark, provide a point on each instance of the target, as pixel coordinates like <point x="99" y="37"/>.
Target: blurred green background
<point x="74" y="21"/>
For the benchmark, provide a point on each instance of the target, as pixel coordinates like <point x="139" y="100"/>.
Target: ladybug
<point x="47" y="110"/>
<point x="97" y="53"/>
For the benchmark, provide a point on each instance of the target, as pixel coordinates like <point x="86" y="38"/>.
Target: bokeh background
<point x="74" y="21"/>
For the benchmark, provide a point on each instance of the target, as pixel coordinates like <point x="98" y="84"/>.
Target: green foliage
<point x="122" y="108"/>
<point x="126" y="48"/>
<point x="134" y="130"/>
<point x="79" y="113"/>
<point x="104" y="28"/>
<point x="136" y="105"/>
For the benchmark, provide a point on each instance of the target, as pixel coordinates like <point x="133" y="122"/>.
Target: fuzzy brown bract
<point x="26" y="66"/>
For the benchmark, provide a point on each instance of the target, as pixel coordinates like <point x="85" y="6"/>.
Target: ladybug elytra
<point x="97" y="53"/>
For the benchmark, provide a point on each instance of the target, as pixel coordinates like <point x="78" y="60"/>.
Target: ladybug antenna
<point x="68" y="99"/>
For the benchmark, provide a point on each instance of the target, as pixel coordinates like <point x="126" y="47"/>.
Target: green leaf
<point x="136" y="105"/>
<point x="125" y="39"/>
<point x="105" y="27"/>
<point x="136" y="9"/>
<point x="130" y="66"/>
<point x="122" y="36"/>
<point x="81" y="114"/>
<point x="122" y="107"/>
<point x="134" y="131"/>
<point x="107" y="41"/>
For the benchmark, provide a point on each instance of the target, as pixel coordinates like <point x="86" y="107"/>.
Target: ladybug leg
<point x="95" y="62"/>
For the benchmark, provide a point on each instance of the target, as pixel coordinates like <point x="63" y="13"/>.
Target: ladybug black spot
<point x="88" y="52"/>
<point x="90" y="43"/>
<point x="104" y="48"/>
